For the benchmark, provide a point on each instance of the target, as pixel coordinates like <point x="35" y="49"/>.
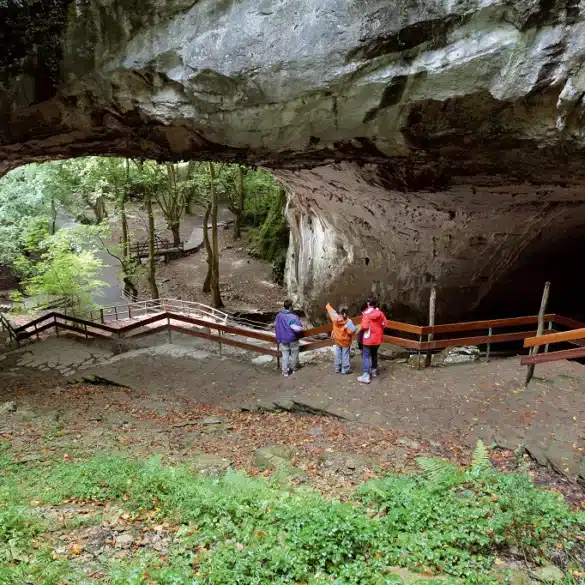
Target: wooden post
<point x="487" y="353"/>
<point x="36" y="331"/>
<point x="56" y="326"/>
<point x="430" y="337"/>
<point x="550" y="326"/>
<point x="219" y="331"/>
<point x="540" y="329"/>
<point x="116" y="312"/>
<point x="418" y="354"/>
<point x="102" y="316"/>
<point x="169" y="329"/>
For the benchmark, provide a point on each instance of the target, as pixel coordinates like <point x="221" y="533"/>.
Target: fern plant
<point x="442" y="474"/>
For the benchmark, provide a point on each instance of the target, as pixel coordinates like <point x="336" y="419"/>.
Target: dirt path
<point x="246" y="282"/>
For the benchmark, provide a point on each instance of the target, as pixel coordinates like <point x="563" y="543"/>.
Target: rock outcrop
<point x="423" y="140"/>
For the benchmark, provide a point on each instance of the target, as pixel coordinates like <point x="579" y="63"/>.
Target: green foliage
<point x="234" y="529"/>
<point x="67" y="268"/>
<point x="25" y="204"/>
<point x="270" y="241"/>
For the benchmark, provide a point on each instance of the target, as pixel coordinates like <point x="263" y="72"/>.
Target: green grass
<point x="239" y="530"/>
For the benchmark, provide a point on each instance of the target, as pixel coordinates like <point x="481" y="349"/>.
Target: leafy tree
<point x="67" y="269"/>
<point x="25" y="202"/>
<point x="171" y="196"/>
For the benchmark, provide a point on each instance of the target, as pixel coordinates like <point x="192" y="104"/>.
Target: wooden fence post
<point x="550" y="326"/>
<point x="430" y="337"/>
<point x="169" y="330"/>
<point x="102" y="316"/>
<point x="540" y="329"/>
<point x="487" y="353"/>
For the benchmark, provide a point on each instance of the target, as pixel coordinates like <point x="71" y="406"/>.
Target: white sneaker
<point x="364" y="379"/>
<point x="285" y="374"/>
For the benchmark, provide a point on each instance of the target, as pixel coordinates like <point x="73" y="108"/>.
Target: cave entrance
<point x="519" y="293"/>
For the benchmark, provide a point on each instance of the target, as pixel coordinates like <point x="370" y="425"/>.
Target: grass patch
<point x="239" y="530"/>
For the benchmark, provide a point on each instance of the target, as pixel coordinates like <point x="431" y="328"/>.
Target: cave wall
<point x="351" y="235"/>
<point x="443" y="140"/>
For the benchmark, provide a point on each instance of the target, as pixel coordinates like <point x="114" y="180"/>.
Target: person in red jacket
<point x="372" y="326"/>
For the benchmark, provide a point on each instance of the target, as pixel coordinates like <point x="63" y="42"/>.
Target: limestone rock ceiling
<point x="440" y="140"/>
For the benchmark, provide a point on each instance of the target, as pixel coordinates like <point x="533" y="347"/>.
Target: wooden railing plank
<point x="87" y="323"/>
<point x="474" y="325"/>
<point x="406" y="327"/>
<point x="26" y="334"/>
<point x="224" y="328"/>
<point x="568" y="322"/>
<point x="35" y="322"/>
<point x="555" y="338"/>
<point x="477" y="340"/>
<point x="227" y="341"/>
<point x="553" y="356"/>
<point x="401" y="341"/>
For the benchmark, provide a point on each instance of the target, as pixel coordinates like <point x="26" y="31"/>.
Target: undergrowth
<point x="233" y="529"/>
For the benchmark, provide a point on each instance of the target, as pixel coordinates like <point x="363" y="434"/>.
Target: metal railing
<point x="139" y="309"/>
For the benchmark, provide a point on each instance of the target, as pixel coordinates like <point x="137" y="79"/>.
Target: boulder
<point x="8" y="407"/>
<point x="345" y="463"/>
<point x="206" y="464"/>
<point x="276" y="458"/>
<point x="548" y="574"/>
<point x="456" y="355"/>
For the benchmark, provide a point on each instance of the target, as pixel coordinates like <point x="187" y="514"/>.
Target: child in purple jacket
<point x="288" y="326"/>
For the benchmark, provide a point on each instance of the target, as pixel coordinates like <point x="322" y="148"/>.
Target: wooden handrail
<point x="555" y="338"/>
<point x="473" y="325"/>
<point x="171" y="321"/>
<point x="36" y="321"/>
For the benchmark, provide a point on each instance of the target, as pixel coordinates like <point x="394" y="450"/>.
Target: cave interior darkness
<point x="519" y="293"/>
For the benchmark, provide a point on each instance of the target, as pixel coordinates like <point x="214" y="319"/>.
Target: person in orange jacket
<point x="342" y="335"/>
<point x="372" y="327"/>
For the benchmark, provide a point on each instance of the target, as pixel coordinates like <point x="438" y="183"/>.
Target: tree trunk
<point x="151" y="272"/>
<point x="215" y="294"/>
<point x="207" y="282"/>
<point x="124" y="221"/>
<point x="189" y="195"/>
<point x="53" y="216"/>
<point x="99" y="210"/>
<point x="175" y="227"/>
<point x="240" y="206"/>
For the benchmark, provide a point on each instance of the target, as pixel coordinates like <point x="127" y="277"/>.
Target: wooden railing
<point x="397" y="333"/>
<point x="573" y="336"/>
<point x="161" y="246"/>
<point x="7" y="326"/>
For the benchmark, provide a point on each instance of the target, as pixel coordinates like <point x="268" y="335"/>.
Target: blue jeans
<point x="370" y="358"/>
<point x="290" y="356"/>
<point x="342" y="363"/>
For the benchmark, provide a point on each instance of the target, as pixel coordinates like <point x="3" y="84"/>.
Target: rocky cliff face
<point x="422" y="139"/>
